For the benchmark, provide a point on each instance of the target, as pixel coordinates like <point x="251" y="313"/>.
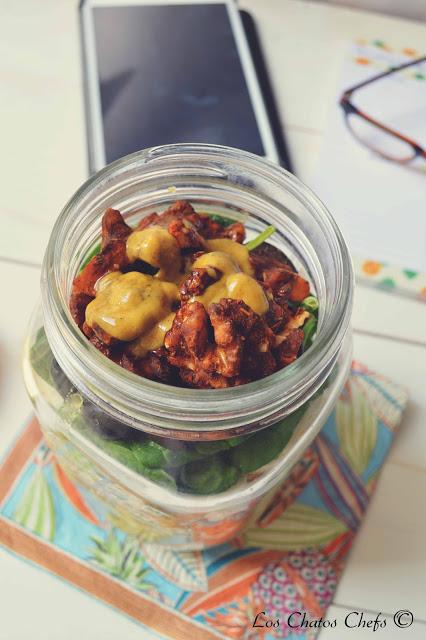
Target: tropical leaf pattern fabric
<point x="299" y="527"/>
<point x="36" y="510"/>
<point x="290" y="559"/>
<point x="356" y="428"/>
<point x="186" y="569"/>
<point x="122" y="559"/>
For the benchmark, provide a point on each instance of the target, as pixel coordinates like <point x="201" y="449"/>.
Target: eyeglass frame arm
<point x="348" y="106"/>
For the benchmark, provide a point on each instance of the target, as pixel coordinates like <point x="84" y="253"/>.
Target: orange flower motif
<point x="422" y="294"/>
<point x="362" y="60"/>
<point x="371" y="268"/>
<point x="408" y="51"/>
<point x="237" y="623"/>
<point x="216" y="533"/>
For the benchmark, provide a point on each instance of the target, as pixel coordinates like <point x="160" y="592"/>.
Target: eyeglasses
<point x="382" y="140"/>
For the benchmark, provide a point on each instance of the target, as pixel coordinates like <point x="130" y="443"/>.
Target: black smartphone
<point x="161" y="72"/>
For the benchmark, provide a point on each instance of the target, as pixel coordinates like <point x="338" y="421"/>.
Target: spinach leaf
<point x="130" y="455"/>
<point x="265" y="445"/>
<point x="209" y="475"/>
<point x="225" y="222"/>
<point x="41" y="357"/>
<point x="93" y="252"/>
<point x="309" y="329"/>
<point x="210" y="448"/>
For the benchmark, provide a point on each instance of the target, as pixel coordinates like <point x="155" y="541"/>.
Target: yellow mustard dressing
<point x="233" y="281"/>
<point x="154" y="339"/>
<point x="131" y="304"/>
<point x="157" y="247"/>
<point x="220" y="260"/>
<point x="137" y="308"/>
<point x="240" y="286"/>
<point x="237" y="251"/>
<point x="103" y="282"/>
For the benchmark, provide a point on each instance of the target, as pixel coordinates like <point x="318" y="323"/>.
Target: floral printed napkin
<point x="289" y="560"/>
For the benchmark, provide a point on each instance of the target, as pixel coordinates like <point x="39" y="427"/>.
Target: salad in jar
<point x="184" y="300"/>
<point x="191" y="341"/>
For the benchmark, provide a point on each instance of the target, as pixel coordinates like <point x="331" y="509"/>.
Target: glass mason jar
<point x="125" y="439"/>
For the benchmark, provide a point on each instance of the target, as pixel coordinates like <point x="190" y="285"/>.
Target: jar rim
<point x="161" y="408"/>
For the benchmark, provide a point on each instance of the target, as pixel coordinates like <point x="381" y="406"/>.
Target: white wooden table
<point x="43" y="161"/>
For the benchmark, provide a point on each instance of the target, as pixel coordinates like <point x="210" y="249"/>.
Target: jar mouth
<point x="209" y="173"/>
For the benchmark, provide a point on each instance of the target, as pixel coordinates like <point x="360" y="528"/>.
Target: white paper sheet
<point x="379" y="205"/>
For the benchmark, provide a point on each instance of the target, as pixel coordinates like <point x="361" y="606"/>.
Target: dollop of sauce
<point x="217" y="260"/>
<point x="103" y="282"/>
<point x="138" y="308"/>
<point x="129" y="305"/>
<point x="240" y="286"/>
<point x="157" y="247"/>
<point x="233" y="281"/>
<point x="237" y="251"/>
<point x="154" y="339"/>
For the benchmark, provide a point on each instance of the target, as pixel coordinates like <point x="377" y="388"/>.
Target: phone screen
<point x="168" y="74"/>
